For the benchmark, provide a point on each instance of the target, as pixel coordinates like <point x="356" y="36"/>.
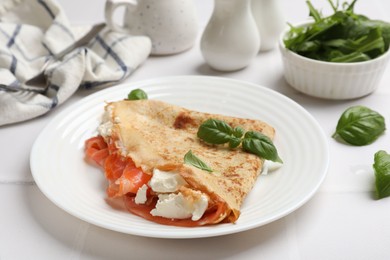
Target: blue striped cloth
<point x="31" y="31"/>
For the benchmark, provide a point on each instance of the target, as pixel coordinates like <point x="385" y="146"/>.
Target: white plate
<point x="58" y="166"/>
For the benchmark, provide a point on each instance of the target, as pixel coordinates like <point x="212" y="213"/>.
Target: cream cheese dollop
<point x="171" y="203"/>
<point x="270" y="166"/>
<point x="179" y="206"/>
<point x="165" y="182"/>
<point x="140" y="197"/>
<point x="105" y="128"/>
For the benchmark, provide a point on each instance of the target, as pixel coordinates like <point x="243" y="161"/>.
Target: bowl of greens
<point x="341" y="56"/>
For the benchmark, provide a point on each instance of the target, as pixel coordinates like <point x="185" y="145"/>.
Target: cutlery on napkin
<point x="29" y="39"/>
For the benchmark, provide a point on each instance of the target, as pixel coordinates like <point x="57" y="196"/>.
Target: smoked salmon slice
<point x="124" y="180"/>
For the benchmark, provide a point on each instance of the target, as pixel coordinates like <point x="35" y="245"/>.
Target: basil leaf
<point x="313" y="12"/>
<point x="352" y="57"/>
<point x="382" y="174"/>
<point x="238" y="131"/>
<point x="137" y="94"/>
<point x="260" y="145"/>
<point x="343" y="36"/>
<point x="359" y="125"/>
<point x="234" y="142"/>
<point x="191" y="159"/>
<point x="215" y="131"/>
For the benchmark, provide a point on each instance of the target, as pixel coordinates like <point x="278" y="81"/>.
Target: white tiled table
<point x="342" y="220"/>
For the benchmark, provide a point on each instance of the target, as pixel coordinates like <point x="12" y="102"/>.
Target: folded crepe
<point x="141" y="146"/>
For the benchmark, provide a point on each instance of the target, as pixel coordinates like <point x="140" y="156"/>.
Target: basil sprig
<point x="359" y="126"/>
<point x="382" y="174"/>
<point x="191" y="159"/>
<point x="344" y="36"/>
<point x="137" y="94"/>
<point x="216" y="131"/>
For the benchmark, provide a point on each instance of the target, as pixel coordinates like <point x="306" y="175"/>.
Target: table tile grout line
<point x="14" y="182"/>
<point x="79" y="241"/>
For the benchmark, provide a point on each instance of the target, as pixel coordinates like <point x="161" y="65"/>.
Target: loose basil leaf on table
<point x="191" y="159"/>
<point x="359" y="125"/>
<point x="382" y="174"/>
<point x="137" y="94"/>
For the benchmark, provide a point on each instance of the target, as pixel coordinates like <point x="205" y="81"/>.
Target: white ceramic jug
<point x="270" y="22"/>
<point x="172" y="25"/>
<point x="230" y="40"/>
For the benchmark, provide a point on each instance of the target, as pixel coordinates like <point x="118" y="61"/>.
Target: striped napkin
<point x="31" y="31"/>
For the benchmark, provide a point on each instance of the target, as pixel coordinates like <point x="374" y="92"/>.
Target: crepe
<point x="157" y="135"/>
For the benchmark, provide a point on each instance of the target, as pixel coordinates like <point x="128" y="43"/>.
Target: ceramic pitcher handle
<point x="111" y="6"/>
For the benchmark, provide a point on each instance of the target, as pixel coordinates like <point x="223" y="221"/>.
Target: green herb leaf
<point x="382" y="174"/>
<point x="351" y="6"/>
<point x="234" y="142"/>
<point x="313" y="12"/>
<point x="261" y="145"/>
<point x="215" y="131"/>
<point x="341" y="37"/>
<point x="191" y="159"/>
<point x="359" y="125"/>
<point x="334" y="7"/>
<point x="137" y="94"/>
<point x="352" y="57"/>
<point x="238" y="131"/>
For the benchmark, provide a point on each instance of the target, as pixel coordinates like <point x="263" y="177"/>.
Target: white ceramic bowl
<point x="331" y="80"/>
